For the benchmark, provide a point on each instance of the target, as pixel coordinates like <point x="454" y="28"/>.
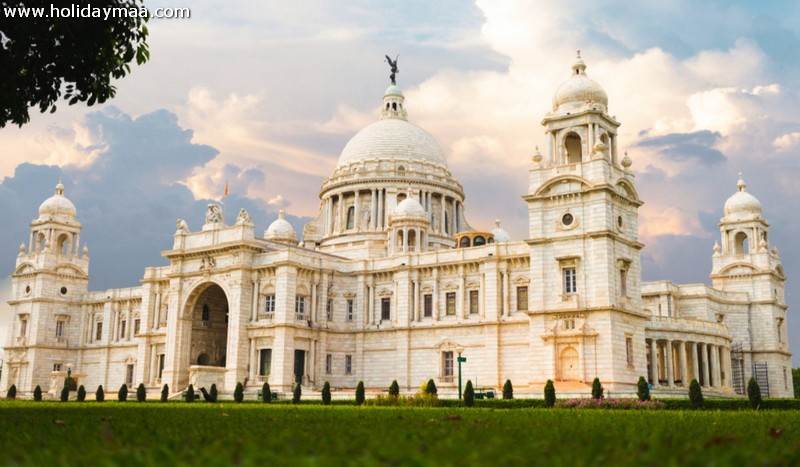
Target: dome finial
<point x="741" y="185"/>
<point x="60" y="187"/>
<point x="579" y="68"/>
<point x="281" y="213"/>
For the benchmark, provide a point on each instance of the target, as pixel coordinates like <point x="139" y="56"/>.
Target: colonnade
<point x="674" y="363"/>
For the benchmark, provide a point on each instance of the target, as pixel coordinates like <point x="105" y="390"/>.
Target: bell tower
<point x="585" y="252"/>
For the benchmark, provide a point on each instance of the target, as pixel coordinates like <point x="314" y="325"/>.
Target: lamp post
<point x="69" y="376"/>
<point x="461" y="359"/>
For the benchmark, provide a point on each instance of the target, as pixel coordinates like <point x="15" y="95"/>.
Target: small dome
<point x="579" y="90"/>
<point x="742" y="205"/>
<point x="281" y="230"/>
<point x="500" y="235"/>
<point x="393" y="90"/>
<point x="57" y="205"/>
<point x="409" y="207"/>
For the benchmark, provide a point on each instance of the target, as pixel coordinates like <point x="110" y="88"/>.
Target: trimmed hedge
<point x="165" y="393"/>
<point x="81" y="393"/>
<point x="37" y="393"/>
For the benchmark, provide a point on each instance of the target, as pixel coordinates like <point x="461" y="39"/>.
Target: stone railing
<point x="690" y="325"/>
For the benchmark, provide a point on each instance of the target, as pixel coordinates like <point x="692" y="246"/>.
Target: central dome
<point x="392" y="139"/>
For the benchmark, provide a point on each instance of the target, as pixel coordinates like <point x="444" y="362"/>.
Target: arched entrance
<point x="570" y="369"/>
<point x="209" y="330"/>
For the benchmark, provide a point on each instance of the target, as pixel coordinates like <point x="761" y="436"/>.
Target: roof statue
<point x="393" y="65"/>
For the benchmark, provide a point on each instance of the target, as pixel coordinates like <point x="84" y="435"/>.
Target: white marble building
<point x="391" y="282"/>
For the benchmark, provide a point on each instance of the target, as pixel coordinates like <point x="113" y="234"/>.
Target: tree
<point x="360" y="393"/>
<point x="141" y="393"/>
<point x="326" y="393"/>
<point x="122" y="395"/>
<point x="81" y="393"/>
<point x="695" y="395"/>
<point x="298" y="391"/>
<point x="469" y="394"/>
<point x="754" y="393"/>
<point x="796" y="382"/>
<point x="238" y="393"/>
<point x="597" y="389"/>
<point x="549" y="393"/>
<point x="37" y="393"/>
<point x="213" y="393"/>
<point x="266" y="393"/>
<point x="508" y="390"/>
<point x="65" y="394"/>
<point x="12" y="392"/>
<point x="100" y="395"/>
<point x="394" y="389"/>
<point x="190" y="394"/>
<point x="165" y="393"/>
<point x="643" y="389"/>
<point x="43" y="56"/>
<point x="430" y="388"/>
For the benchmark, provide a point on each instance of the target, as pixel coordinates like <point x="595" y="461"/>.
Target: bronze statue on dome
<point x="393" y="65"/>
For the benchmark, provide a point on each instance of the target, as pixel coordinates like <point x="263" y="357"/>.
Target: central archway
<point x="209" y="329"/>
<point x="569" y="365"/>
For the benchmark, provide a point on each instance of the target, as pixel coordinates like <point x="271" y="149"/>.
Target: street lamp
<point x="461" y="359"/>
<point x="69" y="376"/>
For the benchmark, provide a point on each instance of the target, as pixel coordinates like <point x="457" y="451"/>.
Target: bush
<point x="610" y="403"/>
<point x="754" y="394"/>
<point x="212" y="393"/>
<point x="12" y="392"/>
<point x="597" y="389"/>
<point x="238" y="393"/>
<point x="469" y="394"/>
<point x="394" y="389"/>
<point x="122" y="395"/>
<point x="165" y="393"/>
<point x="360" y="393"/>
<point x="326" y="393"/>
<point x="695" y="395"/>
<point x="141" y="393"/>
<point x="643" y="389"/>
<point x="508" y="390"/>
<point x="420" y="399"/>
<point x="190" y="394"/>
<point x="100" y="395"/>
<point x="430" y="388"/>
<point x="549" y="393"/>
<point x="266" y="393"/>
<point x="65" y="394"/>
<point x="81" y="393"/>
<point x="296" y="394"/>
<point x="37" y="393"/>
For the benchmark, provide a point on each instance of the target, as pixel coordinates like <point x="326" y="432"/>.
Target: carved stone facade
<point x="377" y="291"/>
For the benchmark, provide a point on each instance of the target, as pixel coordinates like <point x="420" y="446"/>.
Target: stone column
<point x="415" y="308"/>
<point x="435" y="311"/>
<point x="683" y="367"/>
<point x="373" y="204"/>
<point x="405" y="239"/>
<point x="380" y="209"/>
<point x="506" y="301"/>
<point x="695" y="364"/>
<point x="461" y="311"/>
<point x="357" y="211"/>
<point x="483" y="295"/>
<point x="342" y="220"/>
<point x="669" y="364"/>
<point x="253" y="362"/>
<point x="704" y="356"/>
<point x="371" y="305"/>
<point x="254" y="301"/>
<point x="442" y="215"/>
<point x="654" y="362"/>
<point x="717" y="374"/>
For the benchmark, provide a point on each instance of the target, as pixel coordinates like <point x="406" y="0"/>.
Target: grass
<point x="53" y="433"/>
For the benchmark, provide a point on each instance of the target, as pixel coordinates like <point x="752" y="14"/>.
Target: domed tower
<point x="374" y="172"/>
<point x="408" y="227"/>
<point x="281" y="230"/>
<point x="745" y="262"/>
<point x="585" y="252"/>
<point x="48" y="285"/>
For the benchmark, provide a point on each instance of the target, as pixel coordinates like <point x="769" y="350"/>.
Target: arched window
<point x="206" y="313"/>
<point x="63" y="244"/>
<point x="394" y="105"/>
<point x="464" y="242"/>
<point x="399" y="240"/>
<point x="742" y="243"/>
<point x="572" y="143"/>
<point x="446" y="222"/>
<point x="351" y="217"/>
<point x="412" y="240"/>
<point x="41" y="241"/>
<point x="479" y="240"/>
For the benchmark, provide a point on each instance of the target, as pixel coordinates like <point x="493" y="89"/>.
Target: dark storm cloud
<point x="696" y="146"/>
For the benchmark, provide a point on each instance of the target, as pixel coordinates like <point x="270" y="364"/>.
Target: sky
<point x="264" y="96"/>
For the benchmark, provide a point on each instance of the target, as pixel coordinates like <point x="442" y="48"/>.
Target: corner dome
<point x="500" y="235"/>
<point x="410" y="207"/>
<point x="579" y="90"/>
<point x="281" y="230"/>
<point x="57" y="205"/>
<point x="742" y="205"/>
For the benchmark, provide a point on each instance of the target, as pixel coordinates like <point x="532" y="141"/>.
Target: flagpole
<point x="222" y="202"/>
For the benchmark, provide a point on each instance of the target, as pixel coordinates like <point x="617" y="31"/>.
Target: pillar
<point x="704" y="356"/>
<point x="683" y="367"/>
<point x="340" y="214"/>
<point x="717" y="374"/>
<point x="380" y="210"/>
<point x="653" y="363"/>
<point x="442" y="214"/>
<point x="669" y="363"/>
<point x="695" y="363"/>
<point x="373" y="204"/>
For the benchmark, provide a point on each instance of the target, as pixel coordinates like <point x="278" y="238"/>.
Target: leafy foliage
<point x="266" y="393"/>
<point x="165" y="393"/>
<point x="190" y="394"/>
<point x="643" y="389"/>
<point x="394" y="389"/>
<point x="695" y="395"/>
<point x="141" y="393"/>
<point x="65" y="394"/>
<point x="42" y="56"/>
<point x="469" y="394"/>
<point x="81" y="393"/>
<point x="238" y="393"/>
<point x="212" y="393"/>
<point x="796" y="382"/>
<point x="508" y="390"/>
<point x="326" y="393"/>
<point x="360" y="393"/>
<point x="430" y="388"/>
<point x="754" y="394"/>
<point x="100" y="394"/>
<point x="610" y="403"/>
<point x="549" y="393"/>
<point x="12" y="392"/>
<point x="122" y="395"/>
<point x="597" y="389"/>
<point x="37" y="393"/>
<point x="298" y="391"/>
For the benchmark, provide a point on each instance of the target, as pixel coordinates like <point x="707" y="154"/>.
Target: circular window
<point x="63" y="290"/>
<point x="619" y="221"/>
<point x="567" y="219"/>
<point x="27" y="290"/>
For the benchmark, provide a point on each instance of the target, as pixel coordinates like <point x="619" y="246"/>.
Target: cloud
<point x="684" y="147"/>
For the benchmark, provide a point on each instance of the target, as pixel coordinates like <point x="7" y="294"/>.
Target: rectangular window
<point x="23" y="327"/>
<point x="264" y="362"/>
<point x="129" y="375"/>
<point x="348" y="364"/>
<point x="59" y="329"/>
<point x="427" y="300"/>
<point x="623" y="282"/>
<point x="522" y="298"/>
<point x="122" y="325"/>
<point x="56" y="366"/>
<point x="450" y="303"/>
<point x="269" y="303"/>
<point x="300" y="306"/>
<point x="98" y="333"/>
<point x="329" y="310"/>
<point x="447" y="366"/>
<point x="328" y="364"/>
<point x="386" y="309"/>
<point x="570" y="280"/>
<point x="629" y="350"/>
<point x="137" y="324"/>
<point x="569" y="324"/>
<point x="161" y="359"/>
<point x="350" y="305"/>
<point x="474" y="302"/>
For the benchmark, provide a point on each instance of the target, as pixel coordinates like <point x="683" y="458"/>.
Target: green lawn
<point x="112" y="433"/>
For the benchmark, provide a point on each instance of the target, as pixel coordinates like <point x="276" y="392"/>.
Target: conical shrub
<point x="469" y="394"/>
<point x="549" y="393"/>
<point x="508" y="390"/>
<point x="37" y="393"/>
<point x="326" y="393"/>
<point x="360" y="393"/>
<point x="643" y="389"/>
